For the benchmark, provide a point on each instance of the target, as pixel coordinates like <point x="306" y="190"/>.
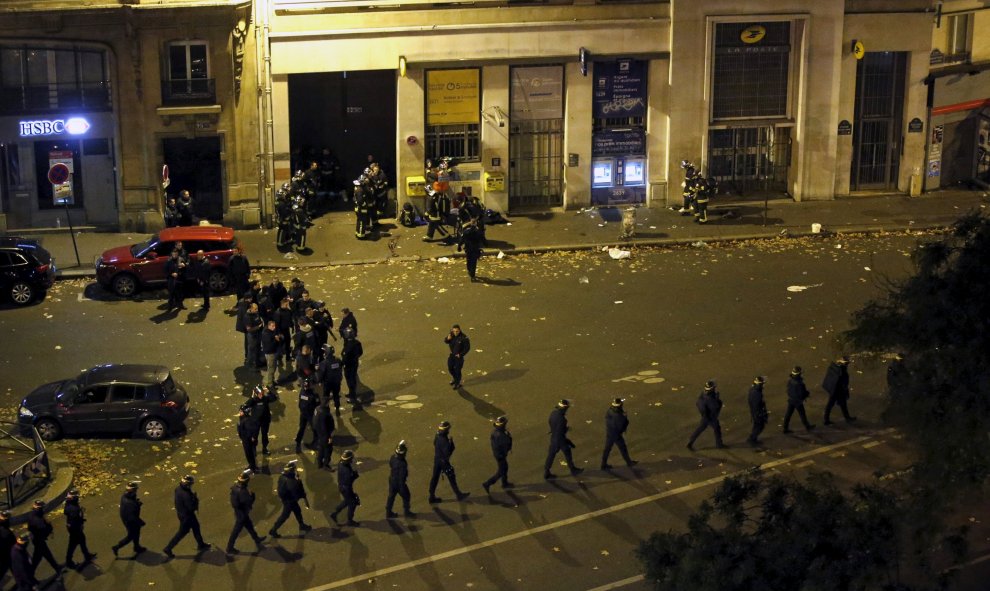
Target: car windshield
<point x="143" y="246"/>
<point x="39" y="253"/>
<point x="67" y="393"/>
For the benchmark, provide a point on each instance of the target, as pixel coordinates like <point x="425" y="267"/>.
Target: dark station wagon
<point x="26" y="270"/>
<point x="108" y="399"/>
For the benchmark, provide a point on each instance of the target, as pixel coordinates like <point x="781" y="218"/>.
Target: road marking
<point x="618" y="584"/>
<point x="838" y="454"/>
<point x="587" y="516"/>
<point x="804" y="464"/>
<point x="871" y="444"/>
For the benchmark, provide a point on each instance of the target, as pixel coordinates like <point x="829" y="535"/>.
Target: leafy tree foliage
<point x="773" y="534"/>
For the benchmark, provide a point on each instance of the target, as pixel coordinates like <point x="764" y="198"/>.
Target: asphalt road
<point x="651" y="329"/>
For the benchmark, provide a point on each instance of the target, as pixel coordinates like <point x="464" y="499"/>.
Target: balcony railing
<point x="195" y="91"/>
<point x="93" y="96"/>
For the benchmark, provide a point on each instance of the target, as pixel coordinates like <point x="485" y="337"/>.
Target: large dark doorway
<point x="195" y="164"/>
<point x="878" y="118"/>
<point x="352" y="113"/>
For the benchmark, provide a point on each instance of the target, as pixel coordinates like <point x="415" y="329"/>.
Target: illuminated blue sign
<point x="72" y="126"/>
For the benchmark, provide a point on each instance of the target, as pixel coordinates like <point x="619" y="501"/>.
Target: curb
<point x="54" y="493"/>
<point x="76" y="273"/>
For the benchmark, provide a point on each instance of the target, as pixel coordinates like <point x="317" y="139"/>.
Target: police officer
<point x="836" y="383"/>
<point x="20" y="565"/>
<point x="308" y="401"/>
<point x="758" y="413"/>
<point x="501" y="441"/>
<point x="797" y="393"/>
<point x="346" y="475"/>
<point x="75" y="517"/>
<point x="470" y="240"/>
<point x="460" y="346"/>
<point x="443" y="448"/>
<point x="323" y="427"/>
<point x="261" y="411"/>
<point x="7" y="541"/>
<point x="283" y="325"/>
<point x="247" y="431"/>
<point x="709" y="405"/>
<point x="200" y="271"/>
<point x="398" y="473"/>
<point x="242" y="500"/>
<point x="253" y="325"/>
<point x="331" y="374"/>
<point x="351" y="358"/>
<point x="559" y="442"/>
<point x="616" y="423"/>
<point x="239" y="268"/>
<point x="290" y="492"/>
<point x="185" y="208"/>
<point x="175" y="271"/>
<point x="41" y="530"/>
<point x="186" y="505"/>
<point x="348" y="321"/>
<point x="130" y="515"/>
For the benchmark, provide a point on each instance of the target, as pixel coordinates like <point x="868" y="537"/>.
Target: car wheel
<point x="219" y="281"/>
<point x="125" y="285"/>
<point x="48" y="429"/>
<point x="21" y="293"/>
<point x="154" y="429"/>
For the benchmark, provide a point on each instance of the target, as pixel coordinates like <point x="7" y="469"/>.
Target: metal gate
<point x="878" y="120"/>
<point x="536" y="163"/>
<point x="750" y="159"/>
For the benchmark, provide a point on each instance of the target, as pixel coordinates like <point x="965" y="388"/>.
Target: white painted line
<point x="838" y="454"/>
<point x="618" y="584"/>
<point x="871" y="444"/>
<point x="586" y="516"/>
<point x="804" y="464"/>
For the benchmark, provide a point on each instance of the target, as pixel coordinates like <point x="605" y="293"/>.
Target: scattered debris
<point x="618" y="253"/>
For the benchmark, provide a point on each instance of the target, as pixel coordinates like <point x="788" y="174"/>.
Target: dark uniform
<point x="323" y="427"/>
<point x="171" y="214"/>
<point x="262" y="413"/>
<point x="74" y="519"/>
<point x="346" y="475"/>
<point x="130" y="515"/>
<point x="331" y="374"/>
<point x="308" y="401"/>
<point x="709" y="406"/>
<point x="242" y="500"/>
<point x="7" y="541"/>
<point x="398" y="473"/>
<point x="253" y="325"/>
<point x="559" y="441"/>
<point x="41" y="530"/>
<point x="501" y="441"/>
<point x="290" y="492"/>
<point x="437" y="210"/>
<point x="247" y="431"/>
<point x="186" y="505"/>
<point x="200" y="272"/>
<point x="363" y="207"/>
<point x="283" y="324"/>
<point x="21" y="567"/>
<point x="240" y="271"/>
<point x="348" y="321"/>
<point x="460" y="346"/>
<point x="797" y="393"/>
<point x="175" y="270"/>
<point x="616" y="423"/>
<point x="836" y="383"/>
<point x="758" y="413"/>
<point x="351" y="358"/>
<point x="443" y="448"/>
<point x="470" y="240"/>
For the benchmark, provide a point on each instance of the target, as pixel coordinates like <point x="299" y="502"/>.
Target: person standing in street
<point x="7" y="541"/>
<point x="75" y="517"/>
<point x="331" y="374"/>
<point x="201" y="271"/>
<point x="41" y="530"/>
<point x="271" y="348"/>
<point x="290" y="491"/>
<point x="252" y="333"/>
<point x="283" y="324"/>
<point x="758" y="412"/>
<point x="797" y="393"/>
<point x="616" y="423"/>
<point x="460" y="346"/>
<point x="240" y="271"/>
<point x="443" y="448"/>
<point x="242" y="500"/>
<point x="175" y="271"/>
<point x="501" y="442"/>
<point x="130" y="515"/>
<point x="261" y="399"/>
<point x="346" y="475"/>
<point x="347" y="320"/>
<point x="323" y="428"/>
<point x="470" y="240"/>
<point x="185" y="208"/>
<point x="308" y="402"/>
<point x="836" y="383"/>
<point x="20" y="565"/>
<point x="351" y="358"/>
<point x="559" y="442"/>
<point x="709" y="405"/>
<point x="186" y="506"/>
<point x="397" y="476"/>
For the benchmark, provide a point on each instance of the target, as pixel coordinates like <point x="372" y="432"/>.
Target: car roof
<point x="124" y="372"/>
<point x="196" y="233"/>
<point x="17" y="242"/>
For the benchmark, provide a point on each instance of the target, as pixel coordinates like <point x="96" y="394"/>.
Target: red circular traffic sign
<point x="58" y="173"/>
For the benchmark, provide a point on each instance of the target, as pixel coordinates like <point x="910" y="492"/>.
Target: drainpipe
<point x="266" y="164"/>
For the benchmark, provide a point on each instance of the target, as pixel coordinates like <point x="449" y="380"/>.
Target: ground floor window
<point x="47" y="153"/>
<point x="461" y="142"/>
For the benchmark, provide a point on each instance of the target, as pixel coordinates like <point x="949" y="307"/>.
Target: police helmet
<point x="347" y="333"/>
<point x="796" y="371"/>
<point x="188" y="479"/>
<point x="401" y="448"/>
<point x="617" y="402"/>
<point x="72" y="494"/>
<point x="244" y="476"/>
<point x="444" y="426"/>
<point x="347" y="456"/>
<point x="564" y="403"/>
<point x="501" y="421"/>
<point x="759" y="380"/>
<point x="289" y="467"/>
<point x="133" y="485"/>
<point x="709" y="385"/>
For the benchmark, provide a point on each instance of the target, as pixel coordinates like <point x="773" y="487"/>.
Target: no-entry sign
<point x="58" y="173"/>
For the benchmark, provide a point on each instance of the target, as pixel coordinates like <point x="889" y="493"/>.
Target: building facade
<point x="544" y="104"/>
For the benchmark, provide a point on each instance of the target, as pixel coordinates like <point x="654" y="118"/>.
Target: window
<point x="188" y="73"/>
<point x="51" y="79"/>
<point x="750" y="79"/>
<point x="94" y="395"/>
<point x="127" y="393"/>
<point x="959" y="38"/>
<point x="45" y="152"/>
<point x="4" y="260"/>
<point x="453" y="114"/>
<point x="460" y="142"/>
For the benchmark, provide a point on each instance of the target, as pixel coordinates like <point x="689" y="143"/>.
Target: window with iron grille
<point x="750" y="79"/>
<point x="39" y="79"/>
<point x="461" y="142"/>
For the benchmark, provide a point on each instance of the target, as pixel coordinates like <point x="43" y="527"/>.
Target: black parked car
<point x="106" y="399"/>
<point x="26" y="270"/>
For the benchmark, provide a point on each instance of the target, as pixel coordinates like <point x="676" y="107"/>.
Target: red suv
<point x="126" y="269"/>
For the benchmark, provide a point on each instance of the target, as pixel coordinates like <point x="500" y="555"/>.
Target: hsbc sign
<point x="42" y="127"/>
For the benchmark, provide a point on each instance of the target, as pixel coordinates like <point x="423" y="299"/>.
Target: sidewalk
<point x="331" y="240"/>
